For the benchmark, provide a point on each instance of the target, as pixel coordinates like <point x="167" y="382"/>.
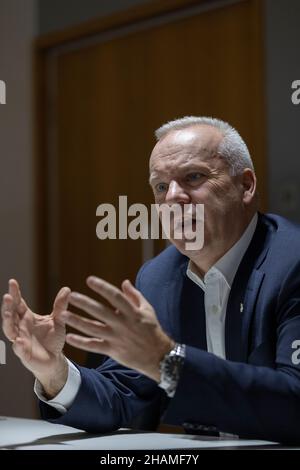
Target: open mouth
<point x="186" y="224"/>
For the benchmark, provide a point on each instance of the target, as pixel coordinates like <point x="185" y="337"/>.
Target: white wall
<point x="17" y="28"/>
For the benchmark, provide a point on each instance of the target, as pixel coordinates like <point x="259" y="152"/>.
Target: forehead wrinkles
<point x="169" y="156"/>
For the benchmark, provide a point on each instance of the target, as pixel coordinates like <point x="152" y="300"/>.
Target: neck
<point x="203" y="260"/>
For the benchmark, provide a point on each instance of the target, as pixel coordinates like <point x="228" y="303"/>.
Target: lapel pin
<point x="241" y="307"/>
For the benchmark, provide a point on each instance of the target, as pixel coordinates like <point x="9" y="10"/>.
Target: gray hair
<point x="232" y="147"/>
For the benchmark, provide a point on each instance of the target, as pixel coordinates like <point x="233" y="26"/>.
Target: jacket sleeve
<point x="252" y="401"/>
<point x="110" y="397"/>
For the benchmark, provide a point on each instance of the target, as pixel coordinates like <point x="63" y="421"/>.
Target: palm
<point x="43" y="339"/>
<point x="37" y="339"/>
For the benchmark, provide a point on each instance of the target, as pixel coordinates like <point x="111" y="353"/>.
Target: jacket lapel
<point x="244" y="292"/>
<point x="186" y="310"/>
<point x="193" y="324"/>
<point x="249" y="307"/>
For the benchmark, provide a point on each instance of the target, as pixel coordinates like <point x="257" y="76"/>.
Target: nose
<point x="176" y="194"/>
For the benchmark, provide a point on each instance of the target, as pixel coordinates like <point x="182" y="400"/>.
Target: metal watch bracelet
<point x="170" y="368"/>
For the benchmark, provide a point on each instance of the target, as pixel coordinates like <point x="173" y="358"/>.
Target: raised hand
<point x="38" y="340"/>
<point x="128" y="330"/>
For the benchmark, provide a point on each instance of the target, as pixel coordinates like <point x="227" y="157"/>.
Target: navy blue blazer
<point x="255" y="392"/>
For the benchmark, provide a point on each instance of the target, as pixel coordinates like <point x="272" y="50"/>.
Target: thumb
<point x="61" y="301"/>
<point x="132" y="293"/>
<point x="21" y="349"/>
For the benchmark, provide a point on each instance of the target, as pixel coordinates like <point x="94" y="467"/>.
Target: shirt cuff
<point x="65" y="398"/>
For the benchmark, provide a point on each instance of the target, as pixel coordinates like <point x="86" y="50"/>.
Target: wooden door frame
<point x="42" y="46"/>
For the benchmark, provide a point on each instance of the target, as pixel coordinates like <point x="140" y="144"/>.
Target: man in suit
<point x="207" y="337"/>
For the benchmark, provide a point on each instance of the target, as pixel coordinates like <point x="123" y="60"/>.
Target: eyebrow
<point x="152" y="178"/>
<point x="188" y="167"/>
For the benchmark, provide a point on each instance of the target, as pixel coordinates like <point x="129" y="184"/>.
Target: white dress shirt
<point x="216" y="285"/>
<point x="65" y="398"/>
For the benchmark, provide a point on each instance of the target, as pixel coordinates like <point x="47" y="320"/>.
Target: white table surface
<point x="18" y="433"/>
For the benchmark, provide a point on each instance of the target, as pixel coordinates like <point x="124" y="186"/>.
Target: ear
<point x="249" y="185"/>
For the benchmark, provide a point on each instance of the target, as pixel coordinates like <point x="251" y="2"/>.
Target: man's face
<point x="185" y="169"/>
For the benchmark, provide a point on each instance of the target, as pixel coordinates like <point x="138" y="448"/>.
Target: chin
<point x="181" y="246"/>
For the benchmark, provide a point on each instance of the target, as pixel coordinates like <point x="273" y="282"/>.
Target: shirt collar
<point x="227" y="265"/>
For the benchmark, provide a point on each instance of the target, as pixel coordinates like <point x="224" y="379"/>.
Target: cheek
<point x="224" y="191"/>
<point x="200" y="195"/>
<point x="159" y="198"/>
<point x="206" y="195"/>
<point x="217" y="199"/>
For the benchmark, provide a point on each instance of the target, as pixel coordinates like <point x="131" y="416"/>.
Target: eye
<point x="194" y="177"/>
<point x="161" y="187"/>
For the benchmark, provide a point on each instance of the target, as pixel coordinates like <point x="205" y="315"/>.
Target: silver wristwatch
<point x="170" y="368"/>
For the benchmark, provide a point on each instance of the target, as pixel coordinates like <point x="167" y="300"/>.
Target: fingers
<point x="18" y="303"/>
<point x="111" y="293"/>
<point x="7" y="302"/>
<point x="93" y="308"/>
<point x="12" y="309"/>
<point x="84" y="325"/>
<point x="14" y="290"/>
<point x="132" y="293"/>
<point x="87" y="344"/>
<point x="21" y="349"/>
<point x="61" y="301"/>
<point x="9" y="319"/>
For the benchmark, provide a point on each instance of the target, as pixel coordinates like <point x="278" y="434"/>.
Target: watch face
<point x="173" y="365"/>
<point x="170" y="368"/>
